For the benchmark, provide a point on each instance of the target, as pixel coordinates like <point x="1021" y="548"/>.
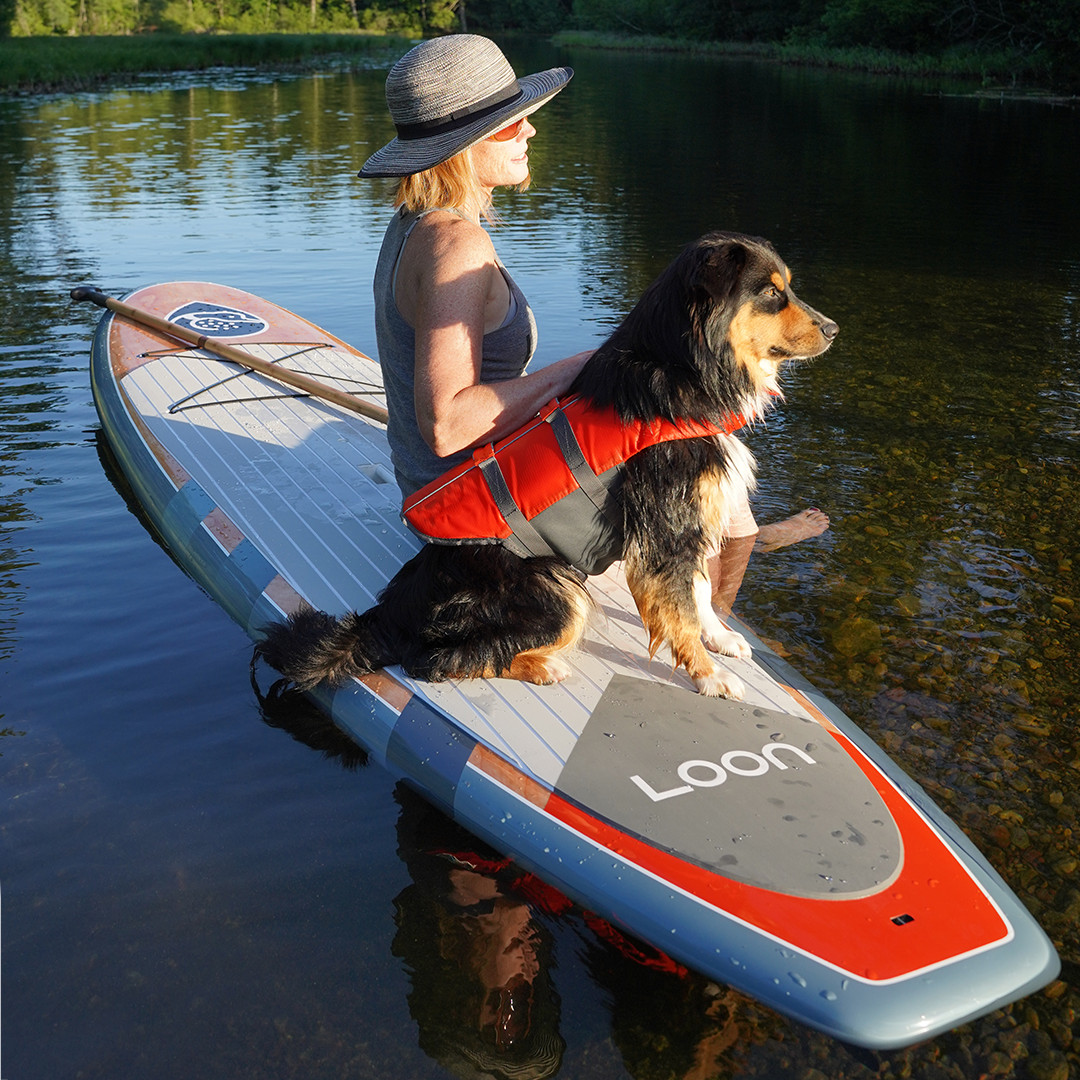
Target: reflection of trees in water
<point x="211" y="142"/>
<point x="35" y="350"/>
<point x="478" y="937"/>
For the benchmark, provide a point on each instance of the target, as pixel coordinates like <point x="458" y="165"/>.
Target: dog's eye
<point x="772" y="292"/>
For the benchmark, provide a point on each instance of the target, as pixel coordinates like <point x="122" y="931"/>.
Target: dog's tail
<point x="311" y="646"/>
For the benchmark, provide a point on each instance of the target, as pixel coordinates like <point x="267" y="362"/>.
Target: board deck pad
<point x="768" y="843"/>
<point x="652" y="755"/>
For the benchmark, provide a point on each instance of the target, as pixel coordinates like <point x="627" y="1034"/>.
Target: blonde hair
<point x="450" y="185"/>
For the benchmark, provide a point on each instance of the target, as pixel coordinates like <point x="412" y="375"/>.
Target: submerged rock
<point x="857" y="635"/>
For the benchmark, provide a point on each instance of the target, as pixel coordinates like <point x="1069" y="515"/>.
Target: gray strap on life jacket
<point x="588" y="481"/>
<point x="525" y="540"/>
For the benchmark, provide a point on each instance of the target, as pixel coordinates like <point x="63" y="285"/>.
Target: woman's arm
<point x="451" y="289"/>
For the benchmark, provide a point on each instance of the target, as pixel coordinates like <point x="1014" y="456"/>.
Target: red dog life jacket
<point x="550" y="488"/>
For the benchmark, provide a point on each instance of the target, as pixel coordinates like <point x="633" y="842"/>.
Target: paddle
<point x="231" y="352"/>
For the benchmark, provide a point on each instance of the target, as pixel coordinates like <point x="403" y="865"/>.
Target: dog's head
<point x="750" y="307"/>
<point x="707" y="338"/>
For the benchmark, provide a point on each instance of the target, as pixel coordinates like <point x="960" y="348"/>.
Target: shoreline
<point x="998" y="74"/>
<point x="47" y="65"/>
<point x="41" y="65"/>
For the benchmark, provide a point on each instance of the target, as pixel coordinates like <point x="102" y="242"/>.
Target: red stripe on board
<point x="950" y="914"/>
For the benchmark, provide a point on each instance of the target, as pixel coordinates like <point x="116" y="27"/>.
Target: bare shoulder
<point x="448" y="244"/>
<point x="447" y="270"/>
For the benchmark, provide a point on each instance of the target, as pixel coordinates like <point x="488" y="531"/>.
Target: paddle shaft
<point x="231" y="352"/>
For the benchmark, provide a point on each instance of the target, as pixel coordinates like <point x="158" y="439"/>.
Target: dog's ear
<point x="721" y="269"/>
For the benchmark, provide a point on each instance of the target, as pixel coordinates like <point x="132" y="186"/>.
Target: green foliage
<point x="48" y="61"/>
<point x="974" y="35"/>
<point x="1020" y="38"/>
<point x="694" y="20"/>
<point x="32" y="18"/>
<point x="625" y="16"/>
<point x="904" y="25"/>
<point x="537" y="16"/>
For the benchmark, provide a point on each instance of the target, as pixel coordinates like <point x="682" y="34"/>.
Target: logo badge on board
<point x="215" y="320"/>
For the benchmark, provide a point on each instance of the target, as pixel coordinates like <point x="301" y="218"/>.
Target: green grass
<point x="35" y="64"/>
<point x="989" y="68"/>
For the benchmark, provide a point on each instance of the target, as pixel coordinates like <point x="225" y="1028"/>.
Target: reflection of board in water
<point x="768" y="844"/>
<point x="665" y="1019"/>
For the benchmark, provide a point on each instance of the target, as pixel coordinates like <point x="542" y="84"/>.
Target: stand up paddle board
<point x="767" y="843"/>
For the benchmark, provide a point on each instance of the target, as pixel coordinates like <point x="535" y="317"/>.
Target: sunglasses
<point x="510" y="132"/>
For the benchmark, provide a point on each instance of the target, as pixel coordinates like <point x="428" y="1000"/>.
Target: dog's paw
<point x="721" y="640"/>
<point x="555" y="670"/>
<point x="716" y="636"/>
<point x="720" y="683"/>
<point x="542" y="670"/>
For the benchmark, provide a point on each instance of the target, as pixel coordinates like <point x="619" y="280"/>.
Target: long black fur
<point x="461" y="611"/>
<point x="660" y="360"/>
<point x="450" y="612"/>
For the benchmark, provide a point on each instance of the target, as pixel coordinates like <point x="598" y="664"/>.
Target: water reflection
<point x="478" y="956"/>
<point x="475" y="934"/>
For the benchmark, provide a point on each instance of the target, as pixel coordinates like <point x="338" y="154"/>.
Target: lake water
<point x="189" y="891"/>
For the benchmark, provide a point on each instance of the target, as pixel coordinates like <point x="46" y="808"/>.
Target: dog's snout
<point x="829" y="329"/>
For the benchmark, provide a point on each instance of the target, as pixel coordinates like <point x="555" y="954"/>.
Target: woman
<point x="454" y="332"/>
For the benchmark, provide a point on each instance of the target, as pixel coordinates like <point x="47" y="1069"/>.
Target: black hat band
<point x="454" y="121"/>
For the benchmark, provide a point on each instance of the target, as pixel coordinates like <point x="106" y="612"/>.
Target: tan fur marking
<point x="667" y="627"/>
<point x="545" y="665"/>
<point x="741" y="335"/>
<point x="750" y="335"/>
<point x="778" y="280"/>
<point x="753" y="334"/>
<point x="714" y="509"/>
<point x="800" y="333"/>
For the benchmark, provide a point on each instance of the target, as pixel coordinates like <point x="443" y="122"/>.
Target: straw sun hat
<point x="451" y="92"/>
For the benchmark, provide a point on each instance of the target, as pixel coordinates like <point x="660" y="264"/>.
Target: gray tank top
<point x="506" y="352"/>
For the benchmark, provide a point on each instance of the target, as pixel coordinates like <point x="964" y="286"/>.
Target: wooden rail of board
<point x="231" y="352"/>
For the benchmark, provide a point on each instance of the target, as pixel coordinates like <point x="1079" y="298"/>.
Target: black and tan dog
<point x="703" y="345"/>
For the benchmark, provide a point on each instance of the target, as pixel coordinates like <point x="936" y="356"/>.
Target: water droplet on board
<point x="828" y="995"/>
<point x="796" y="977"/>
